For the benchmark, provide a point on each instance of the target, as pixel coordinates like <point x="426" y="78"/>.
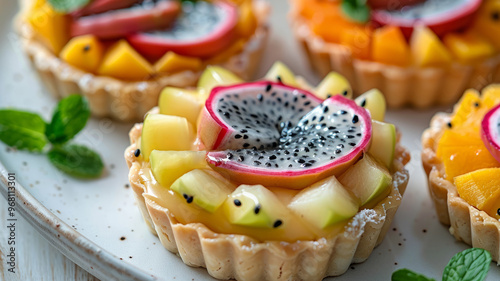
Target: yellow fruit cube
<point x="84" y="52"/>
<point x="487" y="21"/>
<point x="167" y="166"/>
<point x="172" y="62"/>
<point x="50" y="26"/>
<point x="390" y="47"/>
<point x="491" y="95"/>
<point x="166" y="132"/>
<point x="181" y="102"/>
<point x="427" y="49"/>
<point x="468" y="47"/>
<point x="247" y="22"/>
<point x="123" y="62"/>
<point x="480" y="189"/>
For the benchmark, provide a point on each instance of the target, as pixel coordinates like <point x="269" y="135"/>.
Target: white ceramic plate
<point x="97" y="224"/>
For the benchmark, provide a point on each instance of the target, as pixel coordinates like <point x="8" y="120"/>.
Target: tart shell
<point x="467" y="223"/>
<point x="402" y="86"/>
<point x="127" y="100"/>
<point x="241" y="257"/>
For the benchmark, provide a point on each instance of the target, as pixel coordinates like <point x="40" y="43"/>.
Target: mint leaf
<point x="408" y="275"/>
<point x="470" y="265"/>
<point x="76" y="160"/>
<point x="66" y="6"/>
<point x="69" y="118"/>
<point x="356" y="10"/>
<point x="23" y="130"/>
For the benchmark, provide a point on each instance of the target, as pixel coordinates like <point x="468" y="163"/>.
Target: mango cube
<point x="427" y="49"/>
<point x="84" y="52"/>
<point x="172" y="62"/>
<point x="468" y="47"/>
<point x="50" y="26"/>
<point x="358" y="40"/>
<point x="390" y="47"/>
<point x="123" y="62"/>
<point x="480" y="189"/>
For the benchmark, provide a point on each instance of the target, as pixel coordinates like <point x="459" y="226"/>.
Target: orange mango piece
<point x="468" y="47"/>
<point x="358" y="40"/>
<point x="172" y="62"/>
<point x="390" y="47"/>
<point x="310" y="9"/>
<point x="50" y="26"/>
<point x="247" y="22"/>
<point x="427" y="49"/>
<point x="123" y="62"/>
<point x="84" y="52"/>
<point x="462" y="151"/>
<point x="487" y="21"/>
<point x="481" y="189"/>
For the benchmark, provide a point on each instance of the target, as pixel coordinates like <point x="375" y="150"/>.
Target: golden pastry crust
<point x="467" y="223"/>
<point x="241" y="257"/>
<point x="127" y="100"/>
<point x="402" y="86"/>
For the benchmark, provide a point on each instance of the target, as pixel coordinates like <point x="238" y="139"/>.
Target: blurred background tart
<point x="461" y="156"/>
<point x="418" y="53"/>
<point x="120" y="54"/>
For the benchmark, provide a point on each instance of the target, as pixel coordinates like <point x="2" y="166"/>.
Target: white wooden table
<point x="36" y="259"/>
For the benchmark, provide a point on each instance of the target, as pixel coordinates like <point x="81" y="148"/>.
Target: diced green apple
<point x="204" y="188"/>
<point x="214" y="76"/>
<point x="367" y="179"/>
<point x="181" y="102"/>
<point x="383" y="145"/>
<point x="324" y="203"/>
<point x="255" y="206"/>
<point x="374" y="101"/>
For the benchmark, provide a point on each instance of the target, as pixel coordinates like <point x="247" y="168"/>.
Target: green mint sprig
<point x="28" y="131"/>
<point x="469" y="265"/>
<point x="67" y="6"/>
<point x="356" y="10"/>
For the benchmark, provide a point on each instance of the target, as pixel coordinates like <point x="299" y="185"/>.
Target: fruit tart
<point x="120" y="54"/>
<point x="461" y="156"/>
<point x="417" y="52"/>
<point x="268" y="180"/>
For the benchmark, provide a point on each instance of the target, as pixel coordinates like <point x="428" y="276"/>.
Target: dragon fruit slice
<point x="203" y="29"/>
<point x="441" y="16"/>
<point x="116" y="23"/>
<point x="490" y="132"/>
<point x="276" y="135"/>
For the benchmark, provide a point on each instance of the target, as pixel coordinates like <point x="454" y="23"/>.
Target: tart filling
<point x="188" y="180"/>
<point x="463" y="169"/>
